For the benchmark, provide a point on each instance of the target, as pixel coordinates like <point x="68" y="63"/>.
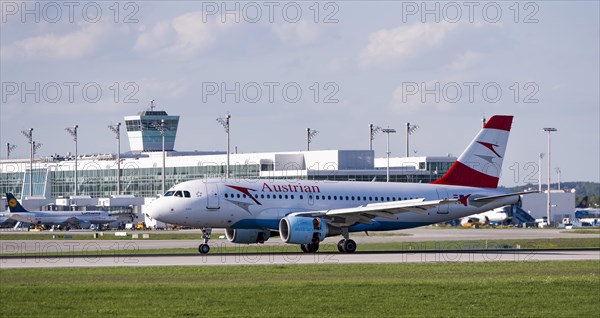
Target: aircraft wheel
<point x="340" y="246"/>
<point x="312" y="247"/>
<point x="349" y="246"/>
<point x="203" y="248"/>
<point x="304" y="248"/>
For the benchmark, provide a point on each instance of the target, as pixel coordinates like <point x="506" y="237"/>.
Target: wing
<point x="479" y="200"/>
<point x="366" y="213"/>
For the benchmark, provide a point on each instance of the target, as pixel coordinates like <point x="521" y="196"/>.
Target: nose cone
<point x="156" y="209"/>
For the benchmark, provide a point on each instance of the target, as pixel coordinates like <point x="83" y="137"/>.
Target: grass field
<point x="514" y="289"/>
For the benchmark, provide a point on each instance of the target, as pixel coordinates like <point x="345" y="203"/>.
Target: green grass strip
<point x="507" y="289"/>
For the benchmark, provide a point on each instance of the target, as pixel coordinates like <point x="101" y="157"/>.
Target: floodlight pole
<point x="540" y="172"/>
<point x="117" y="130"/>
<point x="372" y="131"/>
<point x="9" y="149"/>
<point x="310" y="134"/>
<point x="409" y="130"/>
<point x="161" y="129"/>
<point x="388" y="131"/>
<point x="224" y="121"/>
<point x="73" y="132"/>
<point x="549" y="130"/>
<point x="29" y="135"/>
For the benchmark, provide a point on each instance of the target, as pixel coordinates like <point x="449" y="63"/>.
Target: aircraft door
<point x="212" y="196"/>
<point x="443" y="194"/>
<point x="311" y="199"/>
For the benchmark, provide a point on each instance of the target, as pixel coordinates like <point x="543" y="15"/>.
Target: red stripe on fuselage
<point x="499" y="122"/>
<point x="463" y="175"/>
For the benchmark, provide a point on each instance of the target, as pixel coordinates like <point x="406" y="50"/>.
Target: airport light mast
<point x="540" y="172"/>
<point x="558" y="172"/>
<point x="73" y="132"/>
<point x="9" y="149"/>
<point x="388" y="131"/>
<point x="410" y="129"/>
<point x="373" y="130"/>
<point x="224" y="121"/>
<point x="29" y="135"/>
<point x="162" y="129"/>
<point x="549" y="130"/>
<point x="117" y="130"/>
<point x="310" y="134"/>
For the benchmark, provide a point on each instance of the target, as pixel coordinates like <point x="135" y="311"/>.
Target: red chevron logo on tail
<point x="490" y="147"/>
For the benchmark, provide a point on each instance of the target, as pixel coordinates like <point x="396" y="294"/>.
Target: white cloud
<point x="72" y="45"/>
<point x="465" y="60"/>
<point x="392" y="47"/>
<point x="184" y="35"/>
<point x="300" y="33"/>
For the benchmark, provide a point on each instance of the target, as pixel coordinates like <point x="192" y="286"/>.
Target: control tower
<point x="143" y="130"/>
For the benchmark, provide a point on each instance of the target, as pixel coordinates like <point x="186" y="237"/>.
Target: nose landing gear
<point x="204" y="248"/>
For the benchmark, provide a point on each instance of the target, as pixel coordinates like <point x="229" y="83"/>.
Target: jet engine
<point x="303" y="230"/>
<point x="243" y="236"/>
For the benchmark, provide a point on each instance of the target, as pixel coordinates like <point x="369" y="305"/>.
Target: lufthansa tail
<point x="481" y="163"/>
<point x="13" y="204"/>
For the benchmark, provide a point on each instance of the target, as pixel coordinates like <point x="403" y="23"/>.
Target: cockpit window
<point x="169" y="193"/>
<point x="179" y="194"/>
<point x="187" y="194"/>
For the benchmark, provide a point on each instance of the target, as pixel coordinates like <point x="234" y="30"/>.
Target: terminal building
<point x="139" y="174"/>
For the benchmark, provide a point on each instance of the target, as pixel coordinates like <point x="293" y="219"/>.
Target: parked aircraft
<point x="306" y="212"/>
<point x="497" y="215"/>
<point x="68" y="218"/>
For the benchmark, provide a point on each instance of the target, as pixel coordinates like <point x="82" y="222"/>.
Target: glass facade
<point x="97" y="179"/>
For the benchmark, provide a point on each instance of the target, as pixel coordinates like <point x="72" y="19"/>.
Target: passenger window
<point x="280" y="196"/>
<point x="268" y="196"/>
<point x="335" y="197"/>
<point x="301" y="197"/>
<point x="376" y="199"/>
<point x="262" y="196"/>
<point x="286" y="196"/>
<point x="328" y="197"/>
<point x="370" y="198"/>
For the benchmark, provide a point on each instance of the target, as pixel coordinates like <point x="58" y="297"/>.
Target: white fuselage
<point x="63" y="218"/>
<point x="261" y="204"/>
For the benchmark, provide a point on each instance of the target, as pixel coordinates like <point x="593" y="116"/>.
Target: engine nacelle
<point x="243" y="236"/>
<point x="302" y="230"/>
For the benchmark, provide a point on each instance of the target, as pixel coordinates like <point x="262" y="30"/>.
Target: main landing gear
<point x="204" y="248"/>
<point x="310" y="247"/>
<point x="346" y="245"/>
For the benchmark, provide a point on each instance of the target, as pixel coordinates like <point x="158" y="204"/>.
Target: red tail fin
<point x="481" y="163"/>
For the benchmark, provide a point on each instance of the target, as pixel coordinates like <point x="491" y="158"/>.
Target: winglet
<point x="13" y="204"/>
<point x="480" y="164"/>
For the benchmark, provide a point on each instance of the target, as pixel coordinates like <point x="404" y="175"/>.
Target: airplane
<point x="305" y="212"/>
<point x="585" y="212"/>
<point x="81" y="218"/>
<point x="5" y="219"/>
<point x="497" y="215"/>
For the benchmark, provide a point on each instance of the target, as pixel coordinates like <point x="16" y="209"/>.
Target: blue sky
<point x="334" y="67"/>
